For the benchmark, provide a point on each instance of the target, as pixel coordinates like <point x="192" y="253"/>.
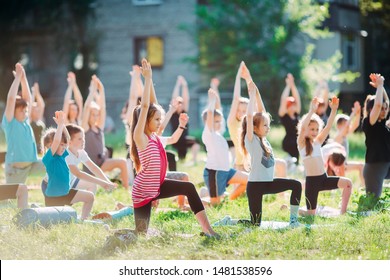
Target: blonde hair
<point x="258" y="119"/>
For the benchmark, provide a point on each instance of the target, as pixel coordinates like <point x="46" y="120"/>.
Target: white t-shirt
<point x="72" y="159"/>
<point x="217" y="150"/>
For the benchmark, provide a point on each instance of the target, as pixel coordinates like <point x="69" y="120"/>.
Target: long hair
<point x="153" y="108"/>
<point x="314" y="119"/>
<point x="258" y="119"/>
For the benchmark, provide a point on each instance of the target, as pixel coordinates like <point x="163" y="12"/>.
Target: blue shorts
<point x="217" y="180"/>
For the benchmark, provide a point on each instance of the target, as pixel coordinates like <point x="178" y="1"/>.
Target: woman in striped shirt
<point x="150" y="162"/>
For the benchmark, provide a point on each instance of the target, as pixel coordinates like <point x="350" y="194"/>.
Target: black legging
<point x="168" y="188"/>
<point x="256" y="190"/>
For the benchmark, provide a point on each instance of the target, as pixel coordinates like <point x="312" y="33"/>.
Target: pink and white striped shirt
<point x="147" y="183"/>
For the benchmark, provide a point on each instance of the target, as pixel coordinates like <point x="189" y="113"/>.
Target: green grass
<point x="346" y="237"/>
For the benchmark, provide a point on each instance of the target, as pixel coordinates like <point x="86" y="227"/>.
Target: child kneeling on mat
<point x="57" y="190"/>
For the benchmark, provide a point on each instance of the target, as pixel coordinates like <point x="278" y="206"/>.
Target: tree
<point x="271" y="36"/>
<point x="67" y="22"/>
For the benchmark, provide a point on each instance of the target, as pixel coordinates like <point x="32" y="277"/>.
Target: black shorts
<point x="315" y="184"/>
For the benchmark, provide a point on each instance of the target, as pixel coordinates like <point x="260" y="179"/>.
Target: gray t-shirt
<point x="262" y="168"/>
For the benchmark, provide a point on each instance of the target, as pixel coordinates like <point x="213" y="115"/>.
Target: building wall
<point x="120" y="22"/>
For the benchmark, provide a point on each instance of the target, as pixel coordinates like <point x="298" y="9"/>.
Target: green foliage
<point x="368" y="202"/>
<point x="66" y="24"/>
<point x="272" y="37"/>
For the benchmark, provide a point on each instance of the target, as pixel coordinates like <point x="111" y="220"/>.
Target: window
<point x="350" y="52"/>
<point x="146" y="2"/>
<point x="152" y="48"/>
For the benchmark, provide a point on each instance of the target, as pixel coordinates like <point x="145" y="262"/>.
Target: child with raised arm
<point x="150" y="162"/>
<point x="289" y="110"/>
<point x="236" y="114"/>
<point x="57" y="190"/>
<point x="21" y="157"/>
<point x="77" y="154"/>
<point x="255" y="128"/>
<point x="377" y="166"/>
<point x="73" y="108"/>
<point x="182" y="105"/>
<point x="93" y="121"/>
<point x="217" y="173"/>
<point x="36" y="117"/>
<point x="311" y="136"/>
<point x="346" y="125"/>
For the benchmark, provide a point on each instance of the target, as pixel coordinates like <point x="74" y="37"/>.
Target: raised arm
<point x="77" y="95"/>
<point x="334" y="104"/>
<point x="322" y="92"/>
<point x="236" y="95"/>
<point x="249" y="111"/>
<point x="67" y="97"/>
<point x="210" y="109"/>
<point x="140" y="139"/>
<point x="295" y="93"/>
<point x="355" y="117"/>
<point x="26" y="93"/>
<point x="167" y="117"/>
<point x="176" y="89"/>
<point x="283" y="99"/>
<point x="377" y="82"/>
<point x="59" y="119"/>
<point x="87" y="105"/>
<point x="136" y="89"/>
<point x="102" y="103"/>
<point x="259" y="102"/>
<point x="214" y="85"/>
<point x="13" y="92"/>
<point x="305" y="123"/>
<point x="39" y="99"/>
<point x="185" y="94"/>
<point x="183" y="120"/>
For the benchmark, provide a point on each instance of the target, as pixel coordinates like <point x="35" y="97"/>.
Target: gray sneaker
<point x="225" y="221"/>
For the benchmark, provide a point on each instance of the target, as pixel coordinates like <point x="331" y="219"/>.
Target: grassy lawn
<point x="176" y="234"/>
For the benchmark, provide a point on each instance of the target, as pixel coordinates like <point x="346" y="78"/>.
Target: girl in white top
<point x="311" y="135"/>
<point x="255" y="128"/>
<point x="217" y="173"/>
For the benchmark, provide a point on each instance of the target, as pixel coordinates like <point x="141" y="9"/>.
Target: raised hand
<point x="35" y="89"/>
<point x="356" y="108"/>
<point x="175" y="103"/>
<point x="214" y="83"/>
<point x="136" y="70"/>
<point x="146" y="69"/>
<point x="19" y="70"/>
<point x="212" y="94"/>
<point x="71" y="78"/>
<point x="290" y="80"/>
<point x="376" y="80"/>
<point x="245" y="74"/>
<point x="251" y="89"/>
<point x="59" y="118"/>
<point x="314" y="104"/>
<point x="334" y="103"/>
<point x="183" y="119"/>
